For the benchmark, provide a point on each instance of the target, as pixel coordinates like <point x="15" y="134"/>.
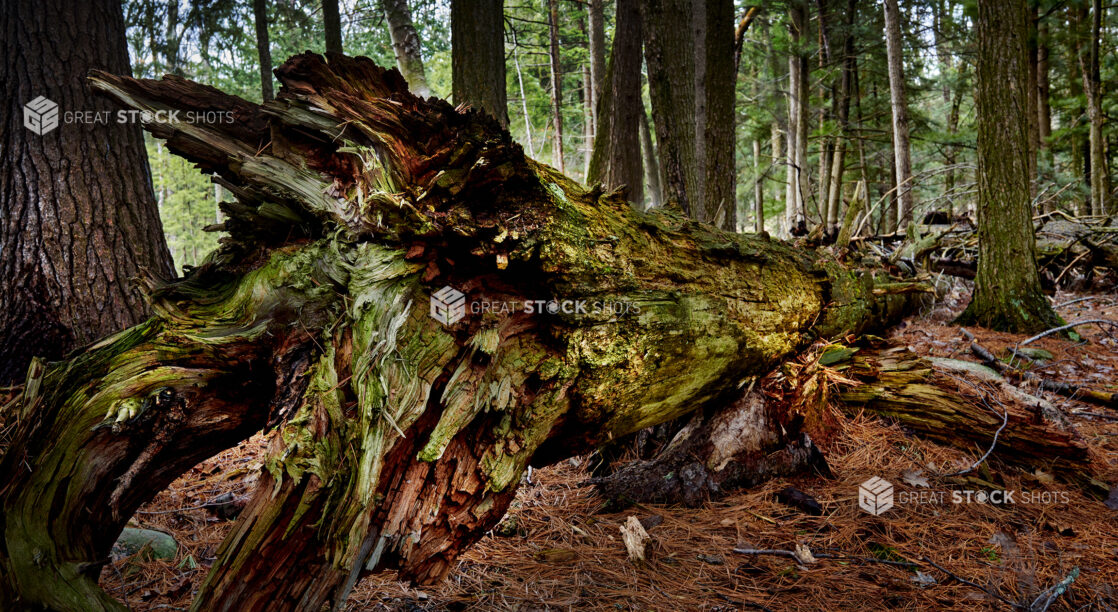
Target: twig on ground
<point x="962" y="580"/>
<point x="1056" y="330"/>
<point x="1053" y="593"/>
<point x="777" y="552"/>
<point x="1102" y="398"/>
<point x="993" y="443"/>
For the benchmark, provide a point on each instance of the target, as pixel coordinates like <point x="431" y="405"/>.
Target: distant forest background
<point x="835" y="51"/>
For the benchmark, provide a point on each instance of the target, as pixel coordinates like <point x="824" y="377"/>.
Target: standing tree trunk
<point x="597" y="42"/>
<point x="78" y="217"/>
<point x="1092" y="87"/>
<point x="950" y="88"/>
<point x="1007" y="293"/>
<point x="1043" y="94"/>
<point x="401" y="432"/>
<point x="798" y="113"/>
<point x="669" y="51"/>
<point x="406" y="45"/>
<point x="616" y="158"/>
<point x="477" y="42"/>
<point x="332" y="20"/>
<point x="720" y="78"/>
<point x="651" y="167"/>
<point x="263" y="48"/>
<point x="901" y="146"/>
<point x="846" y="80"/>
<point x="556" y="83"/>
<point x="758" y="189"/>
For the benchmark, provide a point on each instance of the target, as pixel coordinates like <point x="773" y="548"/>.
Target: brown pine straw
<point x="559" y="555"/>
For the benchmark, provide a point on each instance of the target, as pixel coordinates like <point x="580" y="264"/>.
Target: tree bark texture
<point x="1092" y="88"/>
<point x="399" y="438"/>
<point x="406" y="45"/>
<point x="901" y="145"/>
<point x="332" y="23"/>
<point x="719" y="80"/>
<point x="669" y="51"/>
<point x="477" y="41"/>
<point x="78" y="217"/>
<point x="616" y="158"/>
<point x="1007" y="293"/>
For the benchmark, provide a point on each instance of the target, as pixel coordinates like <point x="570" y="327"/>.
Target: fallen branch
<point x="1102" y="398"/>
<point x="1056" y="330"/>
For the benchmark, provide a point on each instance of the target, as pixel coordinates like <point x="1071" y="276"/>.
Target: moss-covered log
<point x="398" y="439"/>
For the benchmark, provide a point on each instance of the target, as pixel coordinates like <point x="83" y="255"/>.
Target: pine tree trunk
<point x="477" y="33"/>
<point x="901" y="146"/>
<point x="616" y="158"/>
<point x="652" y="180"/>
<point x="78" y="215"/>
<point x="1092" y="87"/>
<point x="263" y="48"/>
<point x="332" y="22"/>
<point x="597" y="47"/>
<point x="406" y="45"/>
<point x="797" y="184"/>
<point x="401" y="431"/>
<point x="669" y="51"/>
<point x="846" y="80"/>
<point x="720" y="78"/>
<point x="1007" y="293"/>
<point x="556" y="84"/>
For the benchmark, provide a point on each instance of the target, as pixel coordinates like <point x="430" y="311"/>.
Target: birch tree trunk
<point x="406" y="45"/>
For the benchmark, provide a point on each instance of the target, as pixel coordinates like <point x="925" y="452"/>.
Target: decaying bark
<point x="399" y="440"/>
<point x="772" y="430"/>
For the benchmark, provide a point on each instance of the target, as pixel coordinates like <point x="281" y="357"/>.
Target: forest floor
<point x="555" y="551"/>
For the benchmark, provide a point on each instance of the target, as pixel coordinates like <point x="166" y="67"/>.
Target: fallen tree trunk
<point x="773" y="430"/>
<point x="400" y="437"/>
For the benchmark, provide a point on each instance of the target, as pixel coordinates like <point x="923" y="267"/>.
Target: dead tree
<point x="397" y="440"/>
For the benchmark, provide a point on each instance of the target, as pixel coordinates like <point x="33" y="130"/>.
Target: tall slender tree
<point x="901" y="143"/>
<point x="596" y="42"/>
<point x="796" y="188"/>
<point x="477" y="41"/>
<point x="78" y="217"/>
<point x="263" y="48"/>
<point x="406" y="45"/>
<point x="554" y="60"/>
<point x="1007" y="293"/>
<point x="1089" y="63"/>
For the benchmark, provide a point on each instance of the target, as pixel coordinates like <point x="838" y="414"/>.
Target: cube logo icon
<point x="875" y="495"/>
<point x="40" y="115"/>
<point x="448" y="305"/>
